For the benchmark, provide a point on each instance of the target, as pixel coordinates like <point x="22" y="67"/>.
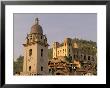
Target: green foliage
<point x="50" y="53"/>
<point x="18" y="65"/>
<point x="88" y="47"/>
<point x="69" y="58"/>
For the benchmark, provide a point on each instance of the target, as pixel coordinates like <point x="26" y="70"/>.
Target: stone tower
<point x="55" y="45"/>
<point x="35" y="52"/>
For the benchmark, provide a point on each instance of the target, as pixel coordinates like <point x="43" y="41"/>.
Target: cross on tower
<point x="37" y="21"/>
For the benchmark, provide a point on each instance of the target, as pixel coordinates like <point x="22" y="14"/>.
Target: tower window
<point x="81" y="56"/>
<point x="41" y="37"/>
<point x="29" y="68"/>
<point x="41" y="68"/>
<point x="84" y="57"/>
<point x="30" y="36"/>
<point x="41" y="52"/>
<point x="74" y="56"/>
<point x="30" y="52"/>
<point x="88" y="57"/>
<point x="77" y="56"/>
<point x="63" y="50"/>
<point x="69" y="44"/>
<point x="49" y="70"/>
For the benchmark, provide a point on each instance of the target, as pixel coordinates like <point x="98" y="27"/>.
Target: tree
<point x="69" y="58"/>
<point x="18" y="65"/>
<point x="50" y="53"/>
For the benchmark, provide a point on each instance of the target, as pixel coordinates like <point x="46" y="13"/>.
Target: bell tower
<point x="35" y="52"/>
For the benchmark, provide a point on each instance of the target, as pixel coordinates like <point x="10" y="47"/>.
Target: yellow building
<point x="67" y="48"/>
<point x="35" y="52"/>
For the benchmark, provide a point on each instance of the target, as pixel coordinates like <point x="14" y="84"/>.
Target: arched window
<point x="84" y="57"/>
<point x="81" y="55"/>
<point x="30" y="52"/>
<point x="88" y="57"/>
<point x="41" y="52"/>
<point x="41" y="37"/>
<point x="41" y="68"/>
<point x="74" y="56"/>
<point x="49" y="70"/>
<point x="29" y="68"/>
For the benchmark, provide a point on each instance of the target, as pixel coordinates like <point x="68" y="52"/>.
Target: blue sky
<point x="56" y="26"/>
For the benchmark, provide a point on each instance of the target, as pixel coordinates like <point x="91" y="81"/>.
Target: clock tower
<point x="35" y="51"/>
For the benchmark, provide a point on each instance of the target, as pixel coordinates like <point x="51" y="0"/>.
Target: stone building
<point x="35" y="52"/>
<point x="71" y="49"/>
<point x="82" y="62"/>
<point x="67" y="48"/>
<point x="64" y="49"/>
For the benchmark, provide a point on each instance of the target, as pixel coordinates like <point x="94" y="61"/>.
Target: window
<point x="41" y="52"/>
<point x="77" y="56"/>
<point x="81" y="56"/>
<point x="49" y="70"/>
<point x="84" y="57"/>
<point x="30" y="37"/>
<point x="69" y="44"/>
<point x="27" y="40"/>
<point x="30" y="52"/>
<point x="41" y="37"/>
<point x="41" y="68"/>
<point x="74" y="56"/>
<point x="29" y="68"/>
<point x="88" y="57"/>
<point x="65" y="44"/>
<point x="65" y="50"/>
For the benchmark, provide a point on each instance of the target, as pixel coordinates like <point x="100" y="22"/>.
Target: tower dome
<point x="36" y="28"/>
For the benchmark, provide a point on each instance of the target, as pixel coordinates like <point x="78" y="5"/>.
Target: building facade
<point x="67" y="48"/>
<point x="71" y="49"/>
<point x="35" y="52"/>
<point x="81" y="62"/>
